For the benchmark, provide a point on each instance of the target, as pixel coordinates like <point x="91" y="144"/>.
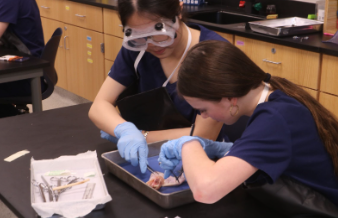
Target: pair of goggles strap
<point x="138" y="39"/>
<point x="140" y="55"/>
<point x="158" y="27"/>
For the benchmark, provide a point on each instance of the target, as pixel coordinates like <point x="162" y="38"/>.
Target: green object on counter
<point x="258" y="6"/>
<point x="312" y="16"/>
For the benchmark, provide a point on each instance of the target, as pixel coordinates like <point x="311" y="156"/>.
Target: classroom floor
<point x="59" y="98"/>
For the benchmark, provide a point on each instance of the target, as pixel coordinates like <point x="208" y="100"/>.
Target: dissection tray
<point x="286" y="26"/>
<point x="166" y="197"/>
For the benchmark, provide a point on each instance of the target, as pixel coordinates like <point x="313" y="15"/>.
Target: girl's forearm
<point x="105" y="116"/>
<point x="208" y="180"/>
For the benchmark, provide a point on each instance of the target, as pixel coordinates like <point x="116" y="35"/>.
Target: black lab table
<point x="30" y="69"/>
<point x="68" y="131"/>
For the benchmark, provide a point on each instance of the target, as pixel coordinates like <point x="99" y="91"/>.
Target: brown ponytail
<point x="219" y="69"/>
<point x="326" y="122"/>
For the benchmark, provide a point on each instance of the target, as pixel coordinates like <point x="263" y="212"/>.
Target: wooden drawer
<point x="330" y="102"/>
<point x="312" y="92"/>
<point x="227" y="36"/>
<point x="112" y="23"/>
<point x="329" y="74"/>
<point x="112" y="46"/>
<point x="86" y="16"/>
<point x="299" y="66"/>
<point x="52" y="9"/>
<point x="84" y="60"/>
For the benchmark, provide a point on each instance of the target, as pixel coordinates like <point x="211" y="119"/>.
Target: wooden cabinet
<point x="312" y="92"/>
<point x="299" y="66"/>
<point x="112" y="23"/>
<point x="330" y="102"/>
<point x="85" y="61"/>
<point x="113" y="37"/>
<point x="38" y="2"/>
<point x="329" y="75"/>
<point x="227" y="36"/>
<point x="82" y="67"/>
<point x="328" y="84"/>
<point x="86" y="16"/>
<point x="49" y="26"/>
<point x="112" y="45"/>
<point x="52" y="9"/>
<point x="80" y="58"/>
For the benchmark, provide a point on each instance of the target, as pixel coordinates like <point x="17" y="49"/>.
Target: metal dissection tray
<point x="286" y="26"/>
<point x="114" y="163"/>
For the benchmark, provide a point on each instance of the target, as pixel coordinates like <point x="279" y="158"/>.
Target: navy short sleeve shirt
<point x="281" y="138"/>
<point x="151" y="73"/>
<point x="24" y="20"/>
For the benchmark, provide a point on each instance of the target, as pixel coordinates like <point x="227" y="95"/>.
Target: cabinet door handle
<point x="64" y="42"/>
<point x="79" y="15"/>
<point x="272" y="62"/>
<point x="120" y="25"/>
<point x="44" y="7"/>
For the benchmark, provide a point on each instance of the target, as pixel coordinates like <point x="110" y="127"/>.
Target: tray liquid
<point x="153" y="163"/>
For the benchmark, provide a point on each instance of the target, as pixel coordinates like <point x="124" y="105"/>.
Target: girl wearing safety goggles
<point x="142" y="81"/>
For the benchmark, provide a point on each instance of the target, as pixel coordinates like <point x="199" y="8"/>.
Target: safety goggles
<point x="161" y="34"/>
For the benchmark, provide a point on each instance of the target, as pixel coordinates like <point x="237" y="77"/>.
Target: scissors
<point x="59" y="181"/>
<point x="68" y="180"/>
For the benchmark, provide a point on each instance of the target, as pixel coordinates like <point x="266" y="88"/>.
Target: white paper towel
<point x="70" y="203"/>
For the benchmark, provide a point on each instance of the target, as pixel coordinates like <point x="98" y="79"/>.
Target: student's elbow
<point x="91" y="113"/>
<point x="203" y="192"/>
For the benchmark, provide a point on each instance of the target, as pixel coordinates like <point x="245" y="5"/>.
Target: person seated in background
<point x="20" y="29"/>
<point x="290" y="136"/>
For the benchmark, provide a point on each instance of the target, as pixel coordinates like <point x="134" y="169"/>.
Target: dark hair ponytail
<point x="213" y="70"/>
<point x="326" y="122"/>
<point x="160" y="8"/>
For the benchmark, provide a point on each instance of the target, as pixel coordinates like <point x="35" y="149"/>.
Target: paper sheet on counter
<point x="16" y="155"/>
<point x="70" y="203"/>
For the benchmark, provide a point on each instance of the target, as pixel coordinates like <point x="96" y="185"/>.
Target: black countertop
<point x="313" y="43"/>
<point x="68" y="131"/>
<point x="10" y="67"/>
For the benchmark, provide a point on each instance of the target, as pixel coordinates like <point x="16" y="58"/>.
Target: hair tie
<point x="267" y="77"/>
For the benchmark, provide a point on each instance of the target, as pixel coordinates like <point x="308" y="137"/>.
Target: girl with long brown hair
<point x="289" y="132"/>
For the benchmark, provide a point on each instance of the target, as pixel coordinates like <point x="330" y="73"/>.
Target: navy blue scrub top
<point x="152" y="75"/>
<point x="24" y="20"/>
<point x="281" y="138"/>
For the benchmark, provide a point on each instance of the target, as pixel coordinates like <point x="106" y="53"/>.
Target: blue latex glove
<point x="109" y="137"/>
<point x="130" y="142"/>
<point x="171" y="151"/>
